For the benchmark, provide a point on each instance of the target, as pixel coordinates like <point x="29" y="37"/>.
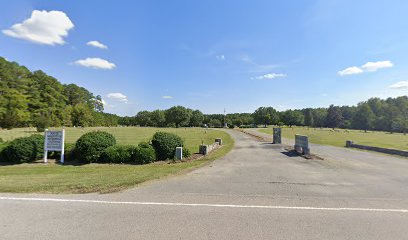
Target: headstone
<point x="277" y="135"/>
<point x="219" y="141"/>
<point x="179" y="153"/>
<point x="302" y="144"/>
<point x="349" y="143"/>
<point x="54" y="141"/>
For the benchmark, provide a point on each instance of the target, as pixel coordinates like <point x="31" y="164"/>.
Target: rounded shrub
<point x="144" y="154"/>
<point x="90" y="146"/>
<point x="165" y="144"/>
<point x="25" y="149"/>
<point x="118" y="154"/>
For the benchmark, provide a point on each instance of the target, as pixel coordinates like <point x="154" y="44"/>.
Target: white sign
<point x="54" y="141"/>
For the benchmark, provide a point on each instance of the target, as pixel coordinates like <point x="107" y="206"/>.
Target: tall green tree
<point x="178" y="115"/>
<point x="196" y="119"/>
<point x="334" y="118"/>
<point x="364" y="117"/>
<point x="309" y="121"/>
<point x="266" y="116"/>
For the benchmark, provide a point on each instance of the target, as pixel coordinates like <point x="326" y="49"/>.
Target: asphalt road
<point x="258" y="191"/>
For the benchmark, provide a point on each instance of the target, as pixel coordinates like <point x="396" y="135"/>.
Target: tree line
<point x="374" y="114"/>
<point x="390" y="115"/>
<point x="36" y="99"/>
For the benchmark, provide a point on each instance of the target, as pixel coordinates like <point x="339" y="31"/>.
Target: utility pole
<point x="225" y="119"/>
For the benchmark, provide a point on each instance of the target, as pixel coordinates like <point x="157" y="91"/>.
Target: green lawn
<point x="193" y="137"/>
<point x="339" y="137"/>
<point x="52" y="178"/>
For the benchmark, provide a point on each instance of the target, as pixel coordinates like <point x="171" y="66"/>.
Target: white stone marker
<point x="54" y="141"/>
<point x="179" y="153"/>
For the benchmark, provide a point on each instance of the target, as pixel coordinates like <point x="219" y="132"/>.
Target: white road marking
<point x="205" y="205"/>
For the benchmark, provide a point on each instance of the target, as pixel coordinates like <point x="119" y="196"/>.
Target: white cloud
<point x="374" y="66"/>
<point x="97" y="44"/>
<point x="220" y="57"/>
<point x="96" y="63"/>
<point x="368" y="67"/>
<point x="246" y="58"/>
<point x="42" y="27"/>
<point x="350" y="71"/>
<point x="400" y="85"/>
<point x="118" y="97"/>
<point x="270" y="76"/>
<point x="167" y="97"/>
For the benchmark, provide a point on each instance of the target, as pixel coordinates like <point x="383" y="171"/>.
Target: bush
<point x="26" y="149"/>
<point x="1" y="140"/>
<point x="90" y="146"/>
<point x="118" y="154"/>
<point x="144" y="154"/>
<point x="69" y="150"/>
<point x="165" y="144"/>
<point x="186" y="153"/>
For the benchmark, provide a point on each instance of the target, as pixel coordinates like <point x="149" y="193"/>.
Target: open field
<point x="339" y="137"/>
<point x="52" y="178"/>
<point x="193" y="137"/>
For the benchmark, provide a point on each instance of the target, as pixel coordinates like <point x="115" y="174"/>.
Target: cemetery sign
<point x="54" y="141"/>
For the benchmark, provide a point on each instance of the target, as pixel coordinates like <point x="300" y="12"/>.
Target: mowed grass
<point x="104" y="178"/>
<point x="192" y="137"/>
<point x="339" y="137"/>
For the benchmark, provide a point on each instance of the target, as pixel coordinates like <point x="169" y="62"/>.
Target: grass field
<point x="103" y="178"/>
<point x="339" y="137"/>
<point x="193" y="137"/>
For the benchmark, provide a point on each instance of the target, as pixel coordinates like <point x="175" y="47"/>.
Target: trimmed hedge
<point x="118" y="154"/>
<point x="165" y="144"/>
<point x="90" y="146"/>
<point x="144" y="154"/>
<point x="25" y="149"/>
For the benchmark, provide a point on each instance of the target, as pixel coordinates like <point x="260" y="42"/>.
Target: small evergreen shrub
<point x="90" y="146"/>
<point x="25" y="149"/>
<point x="118" y="154"/>
<point x="144" y="154"/>
<point x="165" y="144"/>
<point x="186" y="153"/>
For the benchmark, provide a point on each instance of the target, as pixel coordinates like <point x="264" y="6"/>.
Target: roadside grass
<point x="338" y="137"/>
<point x="192" y="137"/>
<point x="105" y="178"/>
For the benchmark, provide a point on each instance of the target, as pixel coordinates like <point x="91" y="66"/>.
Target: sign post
<point x="54" y="141"/>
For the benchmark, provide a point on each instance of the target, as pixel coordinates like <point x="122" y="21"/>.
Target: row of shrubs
<point x="97" y="147"/>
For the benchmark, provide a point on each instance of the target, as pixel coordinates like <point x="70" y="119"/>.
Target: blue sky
<point x="211" y="55"/>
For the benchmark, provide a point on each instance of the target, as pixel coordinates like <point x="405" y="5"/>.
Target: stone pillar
<point x="219" y="141"/>
<point x="203" y="149"/>
<point x="277" y="135"/>
<point x="179" y="153"/>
